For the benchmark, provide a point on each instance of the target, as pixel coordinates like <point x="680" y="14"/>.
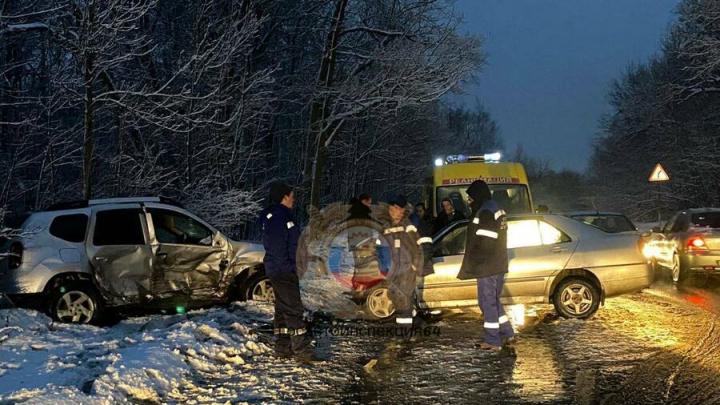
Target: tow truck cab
<point x="507" y="180"/>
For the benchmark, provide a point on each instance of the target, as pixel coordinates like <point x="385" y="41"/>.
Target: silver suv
<point x="82" y="258"/>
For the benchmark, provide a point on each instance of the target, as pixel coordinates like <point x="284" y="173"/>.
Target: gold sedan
<point x="553" y="259"/>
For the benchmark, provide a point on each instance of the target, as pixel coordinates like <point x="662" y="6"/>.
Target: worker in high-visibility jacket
<point x="404" y="255"/>
<point x="486" y="260"/>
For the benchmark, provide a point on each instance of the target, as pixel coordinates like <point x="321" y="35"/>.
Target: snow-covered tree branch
<point x="217" y="98"/>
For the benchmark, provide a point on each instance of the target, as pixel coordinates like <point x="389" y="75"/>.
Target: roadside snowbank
<point x="151" y="359"/>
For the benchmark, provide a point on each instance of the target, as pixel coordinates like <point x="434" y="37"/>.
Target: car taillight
<point x="696" y="243"/>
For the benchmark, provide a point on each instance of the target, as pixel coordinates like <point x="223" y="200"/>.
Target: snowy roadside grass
<point x="153" y="359"/>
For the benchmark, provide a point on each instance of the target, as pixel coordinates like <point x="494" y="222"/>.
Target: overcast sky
<point x="550" y="63"/>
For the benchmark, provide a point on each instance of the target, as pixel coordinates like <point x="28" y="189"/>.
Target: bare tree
<point x="207" y="101"/>
<point x="381" y="57"/>
<point x="666" y="111"/>
<point x="698" y="26"/>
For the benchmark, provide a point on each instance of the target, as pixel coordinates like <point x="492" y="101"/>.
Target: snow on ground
<point x="213" y="355"/>
<point x="151" y="359"/>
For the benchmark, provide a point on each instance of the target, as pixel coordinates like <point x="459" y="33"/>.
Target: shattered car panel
<point x="120" y="258"/>
<point x="189" y="256"/>
<point x="122" y="273"/>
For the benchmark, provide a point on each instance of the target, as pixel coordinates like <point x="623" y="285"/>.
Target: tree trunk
<point x="88" y="138"/>
<point x="188" y="159"/>
<point x="319" y="131"/>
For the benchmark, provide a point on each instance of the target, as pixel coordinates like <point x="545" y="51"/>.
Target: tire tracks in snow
<point x="686" y="374"/>
<point x="695" y="353"/>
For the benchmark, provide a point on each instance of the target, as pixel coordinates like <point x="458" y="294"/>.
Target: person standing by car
<point x="424" y="221"/>
<point x="280" y="239"/>
<point x="486" y="260"/>
<point x="447" y="216"/>
<point x="407" y="259"/>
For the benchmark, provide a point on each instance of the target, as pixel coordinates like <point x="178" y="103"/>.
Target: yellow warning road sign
<point x="658" y="174"/>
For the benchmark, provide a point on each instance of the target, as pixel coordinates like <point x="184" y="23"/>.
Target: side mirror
<point x="206" y="241"/>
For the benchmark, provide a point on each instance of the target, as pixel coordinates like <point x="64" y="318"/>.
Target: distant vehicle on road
<point x="689" y="243"/>
<point x="553" y="259"/>
<point x="79" y="259"/>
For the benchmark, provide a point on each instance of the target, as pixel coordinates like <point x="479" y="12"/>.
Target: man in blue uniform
<point x="486" y="260"/>
<point x="280" y="238"/>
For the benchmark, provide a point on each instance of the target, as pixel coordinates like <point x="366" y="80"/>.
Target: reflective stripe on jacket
<point x="486" y="243"/>
<point x="405" y="249"/>
<point x="280" y="239"/>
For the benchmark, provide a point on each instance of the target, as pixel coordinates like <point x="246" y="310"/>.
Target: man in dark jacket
<point x="486" y="260"/>
<point x="408" y="255"/>
<point x="280" y="238"/>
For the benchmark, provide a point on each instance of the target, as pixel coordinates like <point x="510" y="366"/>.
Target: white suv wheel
<point x="75" y="307"/>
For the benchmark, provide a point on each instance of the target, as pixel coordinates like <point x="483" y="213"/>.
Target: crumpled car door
<point x="119" y="254"/>
<point x="189" y="257"/>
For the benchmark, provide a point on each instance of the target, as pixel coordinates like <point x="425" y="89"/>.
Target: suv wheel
<point x="76" y="303"/>
<point x="576" y="298"/>
<point x="259" y="289"/>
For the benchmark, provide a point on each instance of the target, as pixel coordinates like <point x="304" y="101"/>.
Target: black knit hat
<point x="278" y="191"/>
<point x="479" y="192"/>
<point x="397" y="199"/>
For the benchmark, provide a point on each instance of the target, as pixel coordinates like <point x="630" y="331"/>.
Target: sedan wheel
<point x="676" y="269"/>
<point x="262" y="291"/>
<point x="75" y="307"/>
<point x="576" y="298"/>
<point x="378" y="303"/>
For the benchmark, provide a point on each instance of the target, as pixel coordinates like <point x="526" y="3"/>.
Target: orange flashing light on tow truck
<point x="507" y="180"/>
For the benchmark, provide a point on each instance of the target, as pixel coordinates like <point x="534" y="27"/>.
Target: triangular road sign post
<point x="658" y="174"/>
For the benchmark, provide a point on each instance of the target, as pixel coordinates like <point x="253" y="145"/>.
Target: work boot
<point x="283" y="346"/>
<point x="487" y="347"/>
<point x="303" y="349"/>
<point x="510" y="342"/>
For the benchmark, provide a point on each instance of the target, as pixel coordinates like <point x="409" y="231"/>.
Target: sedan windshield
<point x="513" y="198"/>
<point x="607" y="223"/>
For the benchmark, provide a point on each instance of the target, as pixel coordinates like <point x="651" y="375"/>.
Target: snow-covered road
<point x="659" y="346"/>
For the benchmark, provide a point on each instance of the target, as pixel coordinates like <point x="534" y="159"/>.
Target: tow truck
<point x="507" y="180"/>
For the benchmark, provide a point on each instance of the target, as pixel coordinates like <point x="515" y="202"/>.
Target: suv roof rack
<point x="87" y="203"/>
<point x="67" y="205"/>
